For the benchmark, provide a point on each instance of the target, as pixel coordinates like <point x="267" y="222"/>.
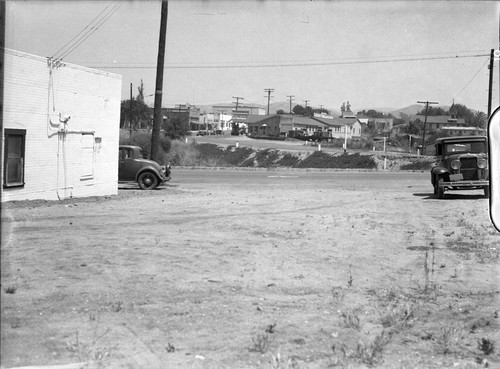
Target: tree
<point x="321" y="110"/>
<point x="371" y="113"/>
<point x="300" y="110"/>
<point x="279" y="112"/>
<point x="461" y="111"/>
<point x="433" y="111"/>
<point x="479" y="120"/>
<point x="175" y="128"/>
<point x="139" y="112"/>
<point x="414" y="128"/>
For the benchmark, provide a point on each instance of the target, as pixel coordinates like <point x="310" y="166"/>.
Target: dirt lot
<point x="253" y="269"/>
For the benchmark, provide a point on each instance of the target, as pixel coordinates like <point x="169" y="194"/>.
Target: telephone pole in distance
<point x="290" y="97"/>
<point x="425" y="120"/>
<point x="268" y="90"/>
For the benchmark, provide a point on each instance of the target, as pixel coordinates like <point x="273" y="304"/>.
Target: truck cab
<point x="461" y="164"/>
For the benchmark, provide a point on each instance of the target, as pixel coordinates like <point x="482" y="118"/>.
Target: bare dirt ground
<point x="253" y="269"/>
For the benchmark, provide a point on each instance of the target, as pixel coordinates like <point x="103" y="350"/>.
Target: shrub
<point x="237" y="155"/>
<point x="288" y="160"/>
<point x="416" y="165"/>
<point x="266" y="158"/>
<point x="143" y="140"/>
<point x="320" y="159"/>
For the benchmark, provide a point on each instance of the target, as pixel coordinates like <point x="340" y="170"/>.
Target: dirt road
<point x="254" y="269"/>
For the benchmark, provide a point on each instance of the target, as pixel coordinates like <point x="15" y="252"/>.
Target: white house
<point x="60" y="131"/>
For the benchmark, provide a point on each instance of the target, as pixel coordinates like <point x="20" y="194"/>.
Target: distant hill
<point x="285" y="106"/>
<point x="415" y="109"/>
<point x="281" y="105"/>
<point x="381" y="110"/>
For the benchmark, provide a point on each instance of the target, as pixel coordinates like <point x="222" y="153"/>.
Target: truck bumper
<point x="465" y="185"/>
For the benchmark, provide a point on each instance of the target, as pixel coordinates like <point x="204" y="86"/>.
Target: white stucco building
<point x="60" y="131"/>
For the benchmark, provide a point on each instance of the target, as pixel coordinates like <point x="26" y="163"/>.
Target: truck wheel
<point x="147" y="181"/>
<point x="439" y="190"/>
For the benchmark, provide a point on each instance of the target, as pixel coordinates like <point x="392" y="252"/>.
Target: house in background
<point x="436" y="122"/>
<point x="186" y="113"/>
<point x="60" y="131"/>
<point x="287" y="125"/>
<point x="341" y="127"/>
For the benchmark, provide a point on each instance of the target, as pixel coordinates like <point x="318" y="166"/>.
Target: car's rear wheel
<point x="147" y="181"/>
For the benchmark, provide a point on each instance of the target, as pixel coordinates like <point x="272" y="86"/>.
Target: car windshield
<point x="465" y="147"/>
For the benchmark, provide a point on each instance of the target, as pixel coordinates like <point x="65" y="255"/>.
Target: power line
<point x="93" y="30"/>
<point x="84" y="34"/>
<point x="297" y="64"/>
<point x="473" y="77"/>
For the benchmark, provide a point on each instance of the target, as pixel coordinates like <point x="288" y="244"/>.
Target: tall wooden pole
<point x="130" y="116"/>
<point x="490" y="85"/>
<point x="158" y="116"/>
<point x="425" y="121"/>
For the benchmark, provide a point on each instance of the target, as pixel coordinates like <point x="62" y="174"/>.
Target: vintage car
<point x="461" y="164"/>
<point x="133" y="167"/>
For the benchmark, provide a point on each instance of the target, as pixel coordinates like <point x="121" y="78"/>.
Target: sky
<point x="374" y="54"/>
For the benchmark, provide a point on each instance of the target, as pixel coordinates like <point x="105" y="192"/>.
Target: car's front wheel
<point x="439" y="190"/>
<point x="147" y="181"/>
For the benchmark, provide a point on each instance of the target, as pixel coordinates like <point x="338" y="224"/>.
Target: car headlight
<point x="455" y="164"/>
<point x="482" y="163"/>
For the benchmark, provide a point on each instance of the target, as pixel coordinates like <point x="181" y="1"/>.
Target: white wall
<point x="56" y="162"/>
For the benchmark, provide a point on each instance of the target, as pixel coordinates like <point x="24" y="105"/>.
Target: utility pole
<point x="130" y="116"/>
<point x="237" y="101"/>
<point x="158" y="116"/>
<point x="425" y="120"/>
<point x="268" y="90"/>
<point x="290" y="97"/>
<point x="235" y="124"/>
<point x="490" y="84"/>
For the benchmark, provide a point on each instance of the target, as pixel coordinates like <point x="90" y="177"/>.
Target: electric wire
<point x="472" y="79"/>
<point x="87" y="31"/>
<point x="284" y="65"/>
<point x="70" y="41"/>
<point x="93" y="30"/>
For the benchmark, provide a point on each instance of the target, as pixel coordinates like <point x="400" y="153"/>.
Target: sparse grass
<point x="397" y="315"/>
<point x="351" y="319"/>
<point x="474" y="238"/>
<point x="449" y="339"/>
<point x="370" y="351"/>
<point x="486" y="346"/>
<point x="10" y="290"/>
<point x="367" y="351"/>
<point x="90" y="352"/>
<point x="280" y="361"/>
<point x="260" y="342"/>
